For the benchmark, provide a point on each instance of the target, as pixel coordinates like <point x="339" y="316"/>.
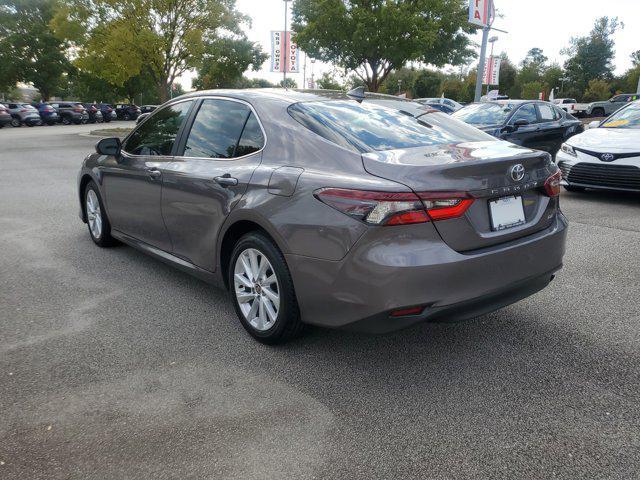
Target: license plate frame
<point x="506" y="212"/>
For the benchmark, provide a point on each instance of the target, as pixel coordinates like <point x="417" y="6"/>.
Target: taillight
<point x="395" y="208"/>
<point x="78" y="109"/>
<point x="22" y="110"/>
<point x="552" y="184"/>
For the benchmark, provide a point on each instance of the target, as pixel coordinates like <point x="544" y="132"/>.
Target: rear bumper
<point x="399" y="267"/>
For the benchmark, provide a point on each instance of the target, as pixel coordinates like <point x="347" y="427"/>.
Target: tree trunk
<point x="163" y="91"/>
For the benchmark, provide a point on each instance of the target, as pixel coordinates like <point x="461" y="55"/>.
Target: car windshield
<point x="628" y="117"/>
<point x="369" y="127"/>
<point x="485" y="113"/>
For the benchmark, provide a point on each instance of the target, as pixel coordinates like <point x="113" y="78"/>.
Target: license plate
<point x="506" y="212"/>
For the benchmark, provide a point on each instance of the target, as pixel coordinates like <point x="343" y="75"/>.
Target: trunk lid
<point x="481" y="169"/>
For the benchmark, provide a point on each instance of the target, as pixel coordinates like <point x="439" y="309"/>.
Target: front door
<point x="525" y="135"/>
<point x="209" y="175"/>
<point x="133" y="180"/>
<point x="551" y="128"/>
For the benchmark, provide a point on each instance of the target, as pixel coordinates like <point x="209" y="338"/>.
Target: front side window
<point x="157" y="134"/>
<point x="526" y="112"/>
<point x="216" y="129"/>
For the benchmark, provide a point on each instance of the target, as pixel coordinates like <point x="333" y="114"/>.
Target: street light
<point x="313" y="82"/>
<point x="286" y="44"/>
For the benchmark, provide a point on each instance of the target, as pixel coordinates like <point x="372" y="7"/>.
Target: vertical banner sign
<point x="491" y="71"/>
<point x="480" y="12"/>
<point x="282" y="45"/>
<point x="277" y="41"/>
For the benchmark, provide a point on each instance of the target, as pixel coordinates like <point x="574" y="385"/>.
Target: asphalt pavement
<point x="116" y="366"/>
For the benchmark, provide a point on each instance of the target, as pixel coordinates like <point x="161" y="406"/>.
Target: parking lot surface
<point x="113" y="365"/>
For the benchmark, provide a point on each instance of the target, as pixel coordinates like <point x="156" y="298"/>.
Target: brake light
<point x="552" y="184"/>
<point x="78" y="109"/>
<point x="395" y="208"/>
<point x="407" y="312"/>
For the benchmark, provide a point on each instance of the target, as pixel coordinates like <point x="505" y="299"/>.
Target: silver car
<point x="345" y="211"/>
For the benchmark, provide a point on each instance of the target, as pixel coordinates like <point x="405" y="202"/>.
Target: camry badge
<point x="517" y="172"/>
<point x="607" y="157"/>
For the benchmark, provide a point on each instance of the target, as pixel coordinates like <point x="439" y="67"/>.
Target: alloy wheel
<point x="94" y="214"/>
<point x="256" y="289"/>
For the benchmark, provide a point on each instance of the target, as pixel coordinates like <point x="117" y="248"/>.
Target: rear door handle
<point x="226" y="180"/>
<point x="154" y="173"/>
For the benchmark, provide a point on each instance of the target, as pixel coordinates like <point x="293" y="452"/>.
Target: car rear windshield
<point x="367" y="127"/>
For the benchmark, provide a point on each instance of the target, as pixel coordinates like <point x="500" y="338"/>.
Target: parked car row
<point x="51" y="113"/>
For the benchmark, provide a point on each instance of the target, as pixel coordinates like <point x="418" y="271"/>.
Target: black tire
<point x="597" y="112"/>
<point x="287" y="324"/>
<point x="127" y="116"/>
<point x="570" y="188"/>
<point x="65" y="120"/>
<point x="105" y="239"/>
<point x="16" y="122"/>
<point x="78" y="121"/>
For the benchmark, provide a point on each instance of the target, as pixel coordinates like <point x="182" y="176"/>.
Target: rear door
<point x="133" y="180"/>
<point x="551" y="130"/>
<point x="213" y="166"/>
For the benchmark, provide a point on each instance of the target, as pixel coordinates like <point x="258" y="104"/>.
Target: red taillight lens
<point x="78" y="109"/>
<point x="552" y="184"/>
<point x="395" y="208"/>
<point x="406" y="312"/>
<point x="375" y="208"/>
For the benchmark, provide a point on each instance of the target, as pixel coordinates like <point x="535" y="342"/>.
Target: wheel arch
<point x="233" y="230"/>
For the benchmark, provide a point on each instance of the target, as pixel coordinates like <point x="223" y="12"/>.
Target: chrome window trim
<point x="237" y="100"/>
<point x="159" y="109"/>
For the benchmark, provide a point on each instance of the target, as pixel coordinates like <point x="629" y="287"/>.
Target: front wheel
<point x="65" y="121"/>
<point x="16" y="122"/>
<point x="262" y="290"/>
<point x="97" y="221"/>
<point x="598" y="112"/>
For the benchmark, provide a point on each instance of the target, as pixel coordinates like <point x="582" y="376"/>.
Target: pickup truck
<point x="566" y="104"/>
<point x="605" y="108"/>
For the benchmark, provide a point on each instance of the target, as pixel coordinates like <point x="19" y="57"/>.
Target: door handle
<point x="226" y="180"/>
<point x="154" y="173"/>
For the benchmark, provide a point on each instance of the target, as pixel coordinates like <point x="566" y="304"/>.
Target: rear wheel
<point x="16" y="122"/>
<point x="97" y="221"/>
<point x="127" y="116"/>
<point x="65" y="120"/>
<point x="262" y="290"/>
<point x="598" y="112"/>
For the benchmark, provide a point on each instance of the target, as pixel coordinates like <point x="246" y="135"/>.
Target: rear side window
<point x="157" y="134"/>
<point x="223" y="129"/>
<point x="547" y="113"/>
<point x="368" y="127"/>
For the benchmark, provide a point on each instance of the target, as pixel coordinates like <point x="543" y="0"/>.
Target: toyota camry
<point x="332" y="209"/>
<point x="606" y="156"/>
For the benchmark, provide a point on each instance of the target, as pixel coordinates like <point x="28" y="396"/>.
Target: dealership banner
<point x="492" y="71"/>
<point x="282" y="45"/>
<point x="481" y="12"/>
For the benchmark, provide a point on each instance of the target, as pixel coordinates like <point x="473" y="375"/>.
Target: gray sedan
<point x="345" y="211"/>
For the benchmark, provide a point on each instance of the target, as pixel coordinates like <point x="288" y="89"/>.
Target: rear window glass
<point x="368" y="127"/>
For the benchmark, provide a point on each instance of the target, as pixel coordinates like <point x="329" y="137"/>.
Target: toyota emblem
<point x="517" y="172"/>
<point x="607" y="157"/>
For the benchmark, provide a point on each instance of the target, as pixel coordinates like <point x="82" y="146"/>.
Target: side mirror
<point x="521" y="122"/>
<point x="109" y="146"/>
<point x="594" y="124"/>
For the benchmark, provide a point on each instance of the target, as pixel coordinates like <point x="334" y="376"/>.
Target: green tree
<point x="288" y="83"/>
<point x="328" y="82"/>
<point x="552" y="78"/>
<point x="508" y="77"/>
<point x="374" y="37"/>
<point x="591" y="57"/>
<point x="533" y="67"/>
<point x="399" y="81"/>
<point x="428" y="84"/>
<point x="597" y="90"/>
<point x="531" y="90"/>
<point x="29" y="50"/>
<point x="225" y="60"/>
<point x="635" y="58"/>
<point x="120" y="39"/>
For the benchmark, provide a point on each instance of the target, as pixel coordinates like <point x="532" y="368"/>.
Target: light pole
<point x="563" y="79"/>
<point x="399" y="86"/>
<point x="483" y="54"/>
<point x="313" y="82"/>
<point x="492" y="41"/>
<point x="286" y="43"/>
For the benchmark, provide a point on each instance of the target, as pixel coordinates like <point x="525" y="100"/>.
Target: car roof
<point x="288" y="96"/>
